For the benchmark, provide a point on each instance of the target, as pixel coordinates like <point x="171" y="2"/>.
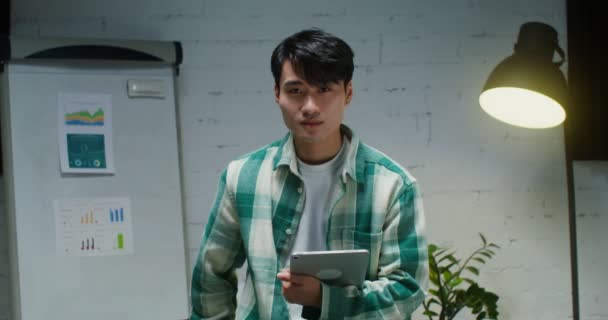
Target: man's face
<point x="313" y="114"/>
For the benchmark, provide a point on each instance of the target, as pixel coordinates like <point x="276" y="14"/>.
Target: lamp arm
<point x="561" y="53"/>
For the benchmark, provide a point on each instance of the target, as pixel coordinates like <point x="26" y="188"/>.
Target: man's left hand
<point x="301" y="289"/>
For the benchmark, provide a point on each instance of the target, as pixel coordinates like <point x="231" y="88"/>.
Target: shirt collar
<point x="286" y="155"/>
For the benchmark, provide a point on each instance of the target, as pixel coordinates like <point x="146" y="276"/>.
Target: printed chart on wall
<point x="93" y="227"/>
<point x="85" y="133"/>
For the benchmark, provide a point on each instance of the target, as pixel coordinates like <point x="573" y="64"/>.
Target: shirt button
<point x="299" y="190"/>
<point x="288" y="232"/>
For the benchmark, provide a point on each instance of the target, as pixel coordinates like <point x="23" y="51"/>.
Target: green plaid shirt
<point x="255" y="217"/>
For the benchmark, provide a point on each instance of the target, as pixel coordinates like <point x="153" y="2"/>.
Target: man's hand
<point x="301" y="289"/>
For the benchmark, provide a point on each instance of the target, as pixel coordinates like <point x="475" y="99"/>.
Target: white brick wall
<point x="591" y="191"/>
<point x="420" y="66"/>
<point x="4" y="280"/>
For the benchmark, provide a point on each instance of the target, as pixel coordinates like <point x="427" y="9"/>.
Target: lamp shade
<point x="528" y="89"/>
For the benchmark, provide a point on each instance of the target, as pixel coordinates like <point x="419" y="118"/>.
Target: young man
<point x="318" y="188"/>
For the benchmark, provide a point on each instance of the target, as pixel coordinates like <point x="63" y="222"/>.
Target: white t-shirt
<point x="312" y="230"/>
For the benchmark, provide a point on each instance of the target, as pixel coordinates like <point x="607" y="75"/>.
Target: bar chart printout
<point x="93" y="227"/>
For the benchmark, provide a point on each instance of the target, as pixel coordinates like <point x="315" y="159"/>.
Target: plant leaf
<point x="434" y="278"/>
<point x="449" y="266"/>
<point x="447" y="276"/>
<point x="473" y="270"/>
<point x="433" y="301"/>
<point x="479" y="260"/>
<point x="485" y="254"/>
<point x="455" y="282"/>
<point x="449" y="256"/>
<point x="483" y="239"/>
<point x="443" y="294"/>
<point x="477" y="308"/>
<point x="429" y="313"/>
<point x="439" y="252"/>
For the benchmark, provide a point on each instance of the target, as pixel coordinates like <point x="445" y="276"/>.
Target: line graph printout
<point x="93" y="227"/>
<point x="85" y="133"/>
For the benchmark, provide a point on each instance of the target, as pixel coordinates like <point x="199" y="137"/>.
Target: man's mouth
<point x="311" y="124"/>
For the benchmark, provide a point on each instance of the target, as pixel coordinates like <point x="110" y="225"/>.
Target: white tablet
<point x="336" y="268"/>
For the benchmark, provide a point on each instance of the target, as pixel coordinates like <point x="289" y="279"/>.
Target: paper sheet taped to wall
<point x="85" y="133"/>
<point x="93" y="227"/>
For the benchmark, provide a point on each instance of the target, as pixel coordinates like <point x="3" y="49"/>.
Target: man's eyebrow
<point x="292" y="83"/>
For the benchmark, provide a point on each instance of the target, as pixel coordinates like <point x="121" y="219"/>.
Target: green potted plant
<point x="452" y="288"/>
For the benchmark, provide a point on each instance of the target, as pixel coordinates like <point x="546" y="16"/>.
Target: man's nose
<point x="310" y="108"/>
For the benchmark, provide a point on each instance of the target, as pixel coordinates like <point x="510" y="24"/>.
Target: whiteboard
<point x="151" y="282"/>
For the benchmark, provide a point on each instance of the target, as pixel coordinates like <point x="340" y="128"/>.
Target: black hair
<point x="316" y="56"/>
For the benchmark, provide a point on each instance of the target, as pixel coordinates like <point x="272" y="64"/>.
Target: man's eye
<point x="294" y="90"/>
<point x="324" y="89"/>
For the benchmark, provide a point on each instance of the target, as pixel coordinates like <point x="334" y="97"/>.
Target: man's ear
<point x="349" y="92"/>
<point x="277" y="92"/>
